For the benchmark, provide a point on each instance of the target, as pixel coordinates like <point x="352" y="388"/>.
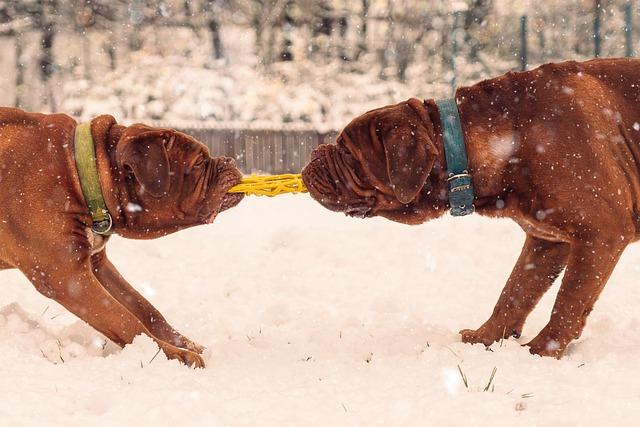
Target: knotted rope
<point x="270" y="185"/>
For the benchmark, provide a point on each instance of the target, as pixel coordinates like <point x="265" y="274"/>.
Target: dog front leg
<point x="73" y="285"/>
<point x="150" y="317"/>
<point x="539" y="264"/>
<point x="590" y="265"/>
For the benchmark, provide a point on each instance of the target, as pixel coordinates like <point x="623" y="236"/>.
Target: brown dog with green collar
<point x="557" y="149"/>
<point x="65" y="187"/>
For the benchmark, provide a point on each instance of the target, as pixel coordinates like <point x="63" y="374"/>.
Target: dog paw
<point x="477" y="336"/>
<point x="547" y="345"/>
<point x="190" y="345"/>
<point x="487" y="334"/>
<point x="187" y="357"/>
<point x="176" y="339"/>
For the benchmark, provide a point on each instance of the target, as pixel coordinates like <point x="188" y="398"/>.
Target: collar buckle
<point x="458" y="175"/>
<point x="103" y="227"/>
<point x="461" y="194"/>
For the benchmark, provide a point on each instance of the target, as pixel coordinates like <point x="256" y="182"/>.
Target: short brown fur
<point x="556" y="149"/>
<point x="154" y="182"/>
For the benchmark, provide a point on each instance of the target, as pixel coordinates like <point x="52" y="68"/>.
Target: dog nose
<point x="317" y="176"/>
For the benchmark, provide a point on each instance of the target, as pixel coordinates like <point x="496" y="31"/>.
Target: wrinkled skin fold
<point x="154" y="182"/>
<point x="556" y="149"/>
<point x="379" y="166"/>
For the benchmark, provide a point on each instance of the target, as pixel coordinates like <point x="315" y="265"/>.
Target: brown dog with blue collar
<point x="557" y="149"/>
<point x="54" y="225"/>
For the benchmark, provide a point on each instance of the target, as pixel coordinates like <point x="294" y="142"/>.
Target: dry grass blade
<point x="493" y="374"/>
<point x="464" y="377"/>
<point x="154" y="356"/>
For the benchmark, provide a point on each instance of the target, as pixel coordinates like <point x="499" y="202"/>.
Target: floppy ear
<point x="409" y="149"/>
<point x="144" y="153"/>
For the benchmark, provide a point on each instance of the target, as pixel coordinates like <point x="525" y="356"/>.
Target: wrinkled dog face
<point x="172" y="181"/>
<point x="379" y="166"/>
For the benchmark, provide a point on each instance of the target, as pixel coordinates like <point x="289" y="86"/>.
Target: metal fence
<point x="258" y="148"/>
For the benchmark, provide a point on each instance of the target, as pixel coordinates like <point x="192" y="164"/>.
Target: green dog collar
<point x="85" y="156"/>
<point x="460" y="187"/>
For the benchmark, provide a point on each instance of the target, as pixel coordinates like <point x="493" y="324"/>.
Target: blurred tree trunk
<point x="136" y="19"/>
<point x="362" y="45"/>
<point x="85" y="20"/>
<point x="474" y="19"/>
<point x="326" y="19"/>
<point x="265" y="14"/>
<point x="111" y="51"/>
<point x="321" y="25"/>
<point x="446" y="36"/>
<point x="582" y="24"/>
<point x="385" y="52"/>
<point x="86" y="55"/>
<point x="404" y="56"/>
<point x="46" y="57"/>
<point x="212" y="10"/>
<point x="214" y="27"/>
<point x="286" y="27"/>
<point x="186" y="5"/>
<point x="256" y="23"/>
<point x="269" y="56"/>
<point x="597" y="20"/>
<point x="343" y="27"/>
<point x="44" y="19"/>
<point x="19" y="69"/>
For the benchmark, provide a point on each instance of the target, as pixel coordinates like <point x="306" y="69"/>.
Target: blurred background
<point x="267" y="80"/>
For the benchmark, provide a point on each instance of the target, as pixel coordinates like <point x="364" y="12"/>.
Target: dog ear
<point x="142" y="151"/>
<point x="409" y="148"/>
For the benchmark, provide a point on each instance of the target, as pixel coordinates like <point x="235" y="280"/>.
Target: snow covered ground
<point x="312" y="318"/>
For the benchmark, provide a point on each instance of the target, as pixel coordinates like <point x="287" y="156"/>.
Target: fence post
<point x="524" y="52"/>
<point x="628" y="30"/>
<point x="597" y="39"/>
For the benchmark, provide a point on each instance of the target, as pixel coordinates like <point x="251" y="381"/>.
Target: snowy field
<point x="312" y="318"/>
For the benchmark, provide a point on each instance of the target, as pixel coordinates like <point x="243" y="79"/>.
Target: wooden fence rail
<point x="258" y="149"/>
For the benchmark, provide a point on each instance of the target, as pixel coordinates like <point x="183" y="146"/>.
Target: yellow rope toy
<point x="270" y="185"/>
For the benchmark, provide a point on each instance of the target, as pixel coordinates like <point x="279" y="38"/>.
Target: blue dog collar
<point x="460" y="186"/>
